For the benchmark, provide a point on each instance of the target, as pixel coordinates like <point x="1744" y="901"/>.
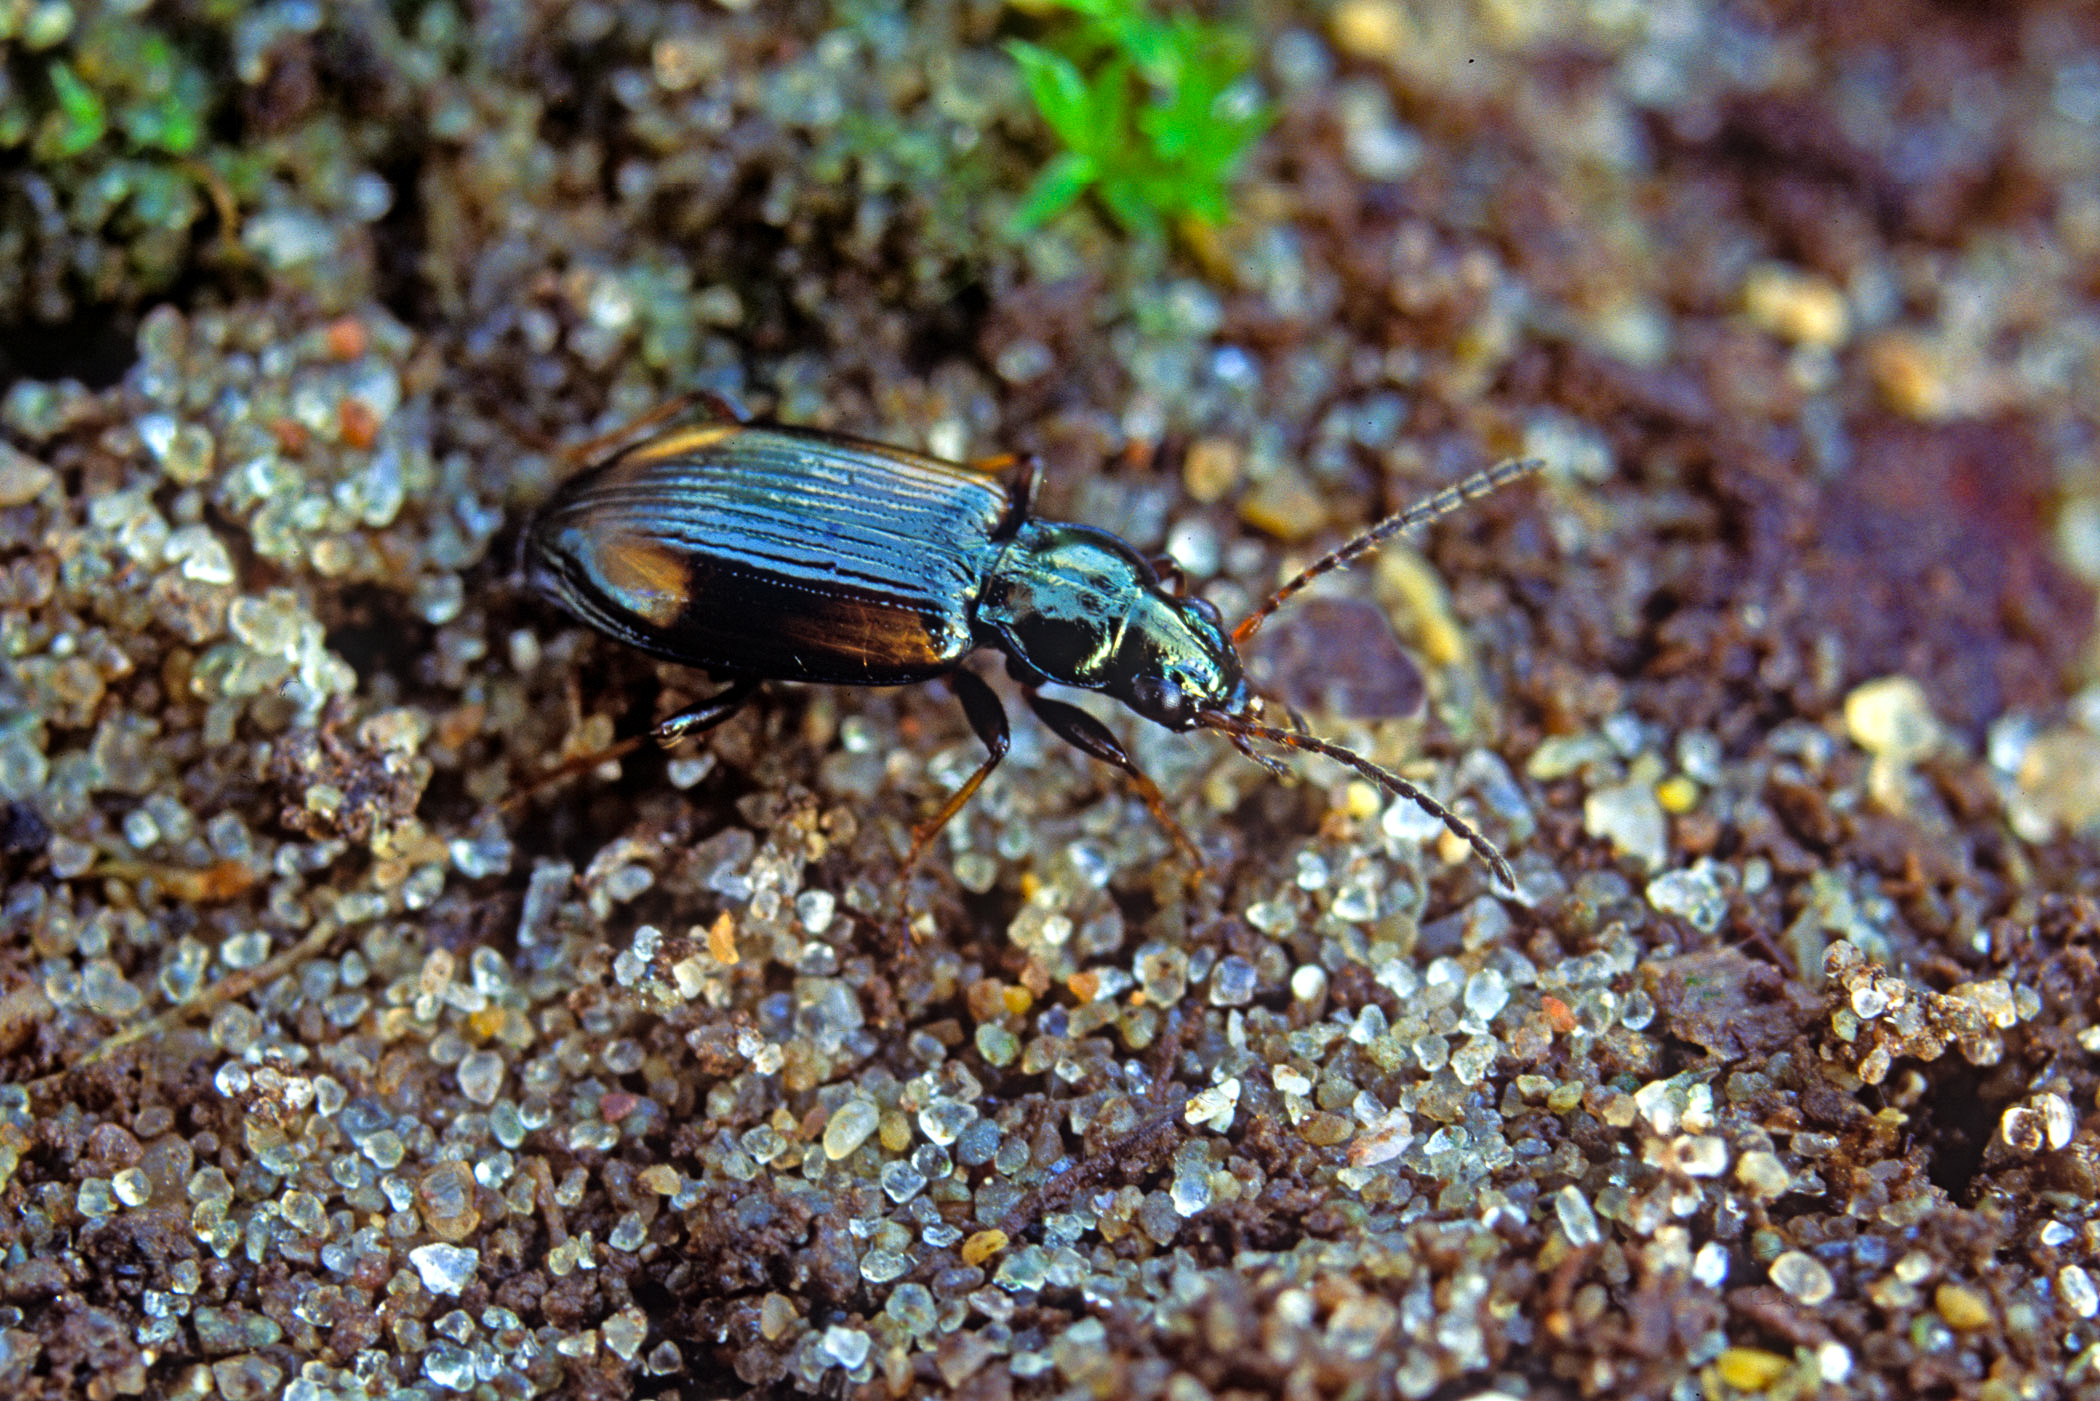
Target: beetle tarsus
<point x="1268" y="761"/>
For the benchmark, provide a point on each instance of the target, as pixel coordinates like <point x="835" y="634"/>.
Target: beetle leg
<point x="596" y="446"/>
<point x="1169" y="571"/>
<point x="1022" y="470"/>
<point x="697" y="719"/>
<point x="718" y="406"/>
<point x="569" y="768"/>
<point x="988" y="718"/>
<point x="666" y="732"/>
<point x="1082" y="731"/>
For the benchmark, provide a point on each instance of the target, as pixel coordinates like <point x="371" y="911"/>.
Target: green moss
<point x="133" y="161"/>
<point x="120" y="87"/>
<point x="76" y="122"/>
<point x="111" y="117"/>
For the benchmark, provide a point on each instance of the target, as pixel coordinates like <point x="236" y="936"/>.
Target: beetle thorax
<point x="1076" y="606"/>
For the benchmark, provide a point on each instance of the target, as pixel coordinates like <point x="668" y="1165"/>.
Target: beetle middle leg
<point x="987" y="717"/>
<point x="1082" y="731"/>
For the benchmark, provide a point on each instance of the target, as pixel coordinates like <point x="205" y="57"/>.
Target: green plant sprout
<point x="1155" y="114"/>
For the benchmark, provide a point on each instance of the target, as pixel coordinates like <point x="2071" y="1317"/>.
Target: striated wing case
<point x="794" y="556"/>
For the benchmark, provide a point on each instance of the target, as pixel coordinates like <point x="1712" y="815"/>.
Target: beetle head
<point x="1174" y="661"/>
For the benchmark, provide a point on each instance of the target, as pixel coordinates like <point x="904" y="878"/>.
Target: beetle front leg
<point x="698" y="719"/>
<point x="1082" y="731"/>
<point x="988" y="718"/>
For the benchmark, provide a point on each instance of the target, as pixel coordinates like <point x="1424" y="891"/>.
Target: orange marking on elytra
<point x="653" y="581"/>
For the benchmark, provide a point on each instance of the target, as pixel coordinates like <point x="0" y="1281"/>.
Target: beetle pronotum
<point x="760" y="552"/>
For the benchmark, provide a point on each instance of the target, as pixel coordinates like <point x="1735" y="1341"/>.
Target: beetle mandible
<point x="760" y="552"/>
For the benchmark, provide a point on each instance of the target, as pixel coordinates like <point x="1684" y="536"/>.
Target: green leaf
<point x="1136" y="205"/>
<point x="1156" y="50"/>
<point x="1176" y="122"/>
<point x="1059" y="90"/>
<point x="1156" y="112"/>
<point x="1206" y="201"/>
<point x="1108" y="97"/>
<point x="1103" y="11"/>
<point x="173" y="120"/>
<point x="1056" y="186"/>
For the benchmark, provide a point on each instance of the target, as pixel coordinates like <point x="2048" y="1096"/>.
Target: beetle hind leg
<point x="1022" y="472"/>
<point x="1082" y="731"/>
<point x="692" y="720"/>
<point x="700" y="718"/>
<point x="716" y="407"/>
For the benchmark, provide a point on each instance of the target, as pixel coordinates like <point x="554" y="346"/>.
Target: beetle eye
<point x="1159" y="698"/>
<point x="1208" y="611"/>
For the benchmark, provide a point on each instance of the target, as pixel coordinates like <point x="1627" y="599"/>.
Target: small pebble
<point x="1891" y="719"/>
<point x="22" y="478"/>
<point x="1965" y="1310"/>
<point x="1629" y="817"/>
<point x="850" y="1126"/>
<point x="1796" y="306"/>
<point x="1211" y="469"/>
<point x="983" y="1246"/>
<point x="1285" y="506"/>
<point x="1763" y="1174"/>
<point x="444" y="1269"/>
<point x="1749" y="1368"/>
<point x="1803" y="1278"/>
<point x="1577" y="1221"/>
<point x="2057" y="785"/>
<point x="1378" y="30"/>
<point x="1911" y="376"/>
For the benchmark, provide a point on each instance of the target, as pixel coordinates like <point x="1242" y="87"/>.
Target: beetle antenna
<point x="1452" y="497"/>
<point x="1239" y="731"/>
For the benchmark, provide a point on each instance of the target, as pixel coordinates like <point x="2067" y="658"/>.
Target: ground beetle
<point x="759" y="552"/>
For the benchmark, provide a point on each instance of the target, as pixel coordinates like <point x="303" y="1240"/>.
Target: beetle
<point x="761" y="552"/>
